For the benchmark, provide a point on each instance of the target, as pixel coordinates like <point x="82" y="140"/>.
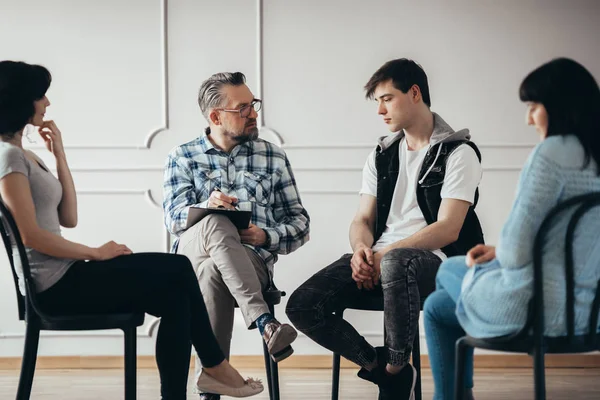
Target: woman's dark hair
<point x="571" y="97"/>
<point x="20" y="85"/>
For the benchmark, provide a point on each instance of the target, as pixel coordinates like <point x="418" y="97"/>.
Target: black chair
<point x="375" y="303"/>
<point x="530" y="339"/>
<point x="37" y="320"/>
<point x="272" y="297"/>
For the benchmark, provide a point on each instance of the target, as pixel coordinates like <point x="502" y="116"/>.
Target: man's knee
<point x="306" y="306"/>
<point x="396" y="264"/>
<point x="303" y="309"/>
<point x="213" y="222"/>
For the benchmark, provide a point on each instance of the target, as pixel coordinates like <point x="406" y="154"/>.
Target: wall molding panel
<point x="164" y="99"/>
<point x="126" y="75"/>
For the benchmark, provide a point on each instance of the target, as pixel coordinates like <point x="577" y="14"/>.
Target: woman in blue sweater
<point x="486" y="293"/>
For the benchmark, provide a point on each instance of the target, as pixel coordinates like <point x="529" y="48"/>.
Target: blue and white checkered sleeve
<point x="178" y="194"/>
<point x="292" y="221"/>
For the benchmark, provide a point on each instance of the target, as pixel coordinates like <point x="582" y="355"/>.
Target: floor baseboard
<point x="301" y="362"/>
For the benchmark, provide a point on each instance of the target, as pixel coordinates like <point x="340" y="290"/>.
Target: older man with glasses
<point x="230" y="167"/>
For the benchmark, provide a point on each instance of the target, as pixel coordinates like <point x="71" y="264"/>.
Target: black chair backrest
<point x="8" y="228"/>
<point x="581" y="204"/>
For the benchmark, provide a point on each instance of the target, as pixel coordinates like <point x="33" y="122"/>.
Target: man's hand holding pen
<point x="219" y="199"/>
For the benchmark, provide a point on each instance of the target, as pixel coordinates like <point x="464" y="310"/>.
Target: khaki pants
<point x="228" y="273"/>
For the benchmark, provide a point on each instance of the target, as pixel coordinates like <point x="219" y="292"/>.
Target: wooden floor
<point x="491" y="384"/>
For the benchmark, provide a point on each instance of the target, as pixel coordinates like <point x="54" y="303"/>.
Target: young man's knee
<point x="302" y="309"/>
<point x="395" y="264"/>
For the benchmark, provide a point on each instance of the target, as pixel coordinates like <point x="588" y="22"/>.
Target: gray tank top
<point x="46" y="192"/>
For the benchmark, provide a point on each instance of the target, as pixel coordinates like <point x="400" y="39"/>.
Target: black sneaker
<point x="400" y="386"/>
<point x="377" y="374"/>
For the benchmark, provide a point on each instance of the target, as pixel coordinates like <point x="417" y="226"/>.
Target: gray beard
<point x="250" y="136"/>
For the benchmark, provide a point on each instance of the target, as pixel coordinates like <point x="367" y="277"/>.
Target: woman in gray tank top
<point x="72" y="278"/>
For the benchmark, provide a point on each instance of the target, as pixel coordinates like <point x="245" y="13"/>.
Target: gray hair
<point x="210" y="94"/>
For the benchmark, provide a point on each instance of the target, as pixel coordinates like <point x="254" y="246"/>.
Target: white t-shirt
<point x="463" y="174"/>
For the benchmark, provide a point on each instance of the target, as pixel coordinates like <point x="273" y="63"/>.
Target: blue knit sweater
<point x="495" y="295"/>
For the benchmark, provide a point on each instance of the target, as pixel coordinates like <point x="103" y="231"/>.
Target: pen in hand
<point x="222" y="199"/>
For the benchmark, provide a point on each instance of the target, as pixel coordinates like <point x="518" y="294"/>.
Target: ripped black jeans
<point x="407" y="277"/>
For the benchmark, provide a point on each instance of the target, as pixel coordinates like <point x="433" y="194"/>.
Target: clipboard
<point x="241" y="219"/>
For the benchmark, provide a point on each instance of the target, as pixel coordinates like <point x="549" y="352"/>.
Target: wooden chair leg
<point x="32" y="339"/>
<point x="130" y="363"/>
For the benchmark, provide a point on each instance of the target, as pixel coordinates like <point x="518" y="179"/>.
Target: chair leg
<point x="130" y="363"/>
<point x="335" y="372"/>
<point x="539" y="373"/>
<point x="271" y="367"/>
<point x="32" y="338"/>
<point x="459" y="377"/>
<point x="416" y="360"/>
<point x="335" y="377"/>
<point x="275" y="379"/>
<point x="274" y="367"/>
<point x="268" y="369"/>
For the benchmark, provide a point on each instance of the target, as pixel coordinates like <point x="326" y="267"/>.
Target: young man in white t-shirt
<point x="416" y="208"/>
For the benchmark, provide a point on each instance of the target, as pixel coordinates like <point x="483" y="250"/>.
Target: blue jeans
<point x="442" y="328"/>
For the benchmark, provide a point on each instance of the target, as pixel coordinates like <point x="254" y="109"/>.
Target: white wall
<point x="126" y="74"/>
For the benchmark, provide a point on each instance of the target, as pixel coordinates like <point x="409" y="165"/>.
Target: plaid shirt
<point x="258" y="173"/>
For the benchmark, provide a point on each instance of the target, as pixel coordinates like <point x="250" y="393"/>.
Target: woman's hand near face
<point x="67" y="210"/>
<point x="52" y="138"/>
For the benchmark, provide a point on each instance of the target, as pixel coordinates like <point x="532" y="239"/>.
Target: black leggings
<point x="163" y="285"/>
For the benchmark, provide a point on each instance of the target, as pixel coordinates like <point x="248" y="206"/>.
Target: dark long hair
<point x="571" y="97"/>
<point x="21" y="84"/>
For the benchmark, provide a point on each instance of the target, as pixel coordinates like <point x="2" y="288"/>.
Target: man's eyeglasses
<point x="244" y="111"/>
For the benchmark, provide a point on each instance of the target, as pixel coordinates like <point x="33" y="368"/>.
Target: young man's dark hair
<point x="404" y="73"/>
